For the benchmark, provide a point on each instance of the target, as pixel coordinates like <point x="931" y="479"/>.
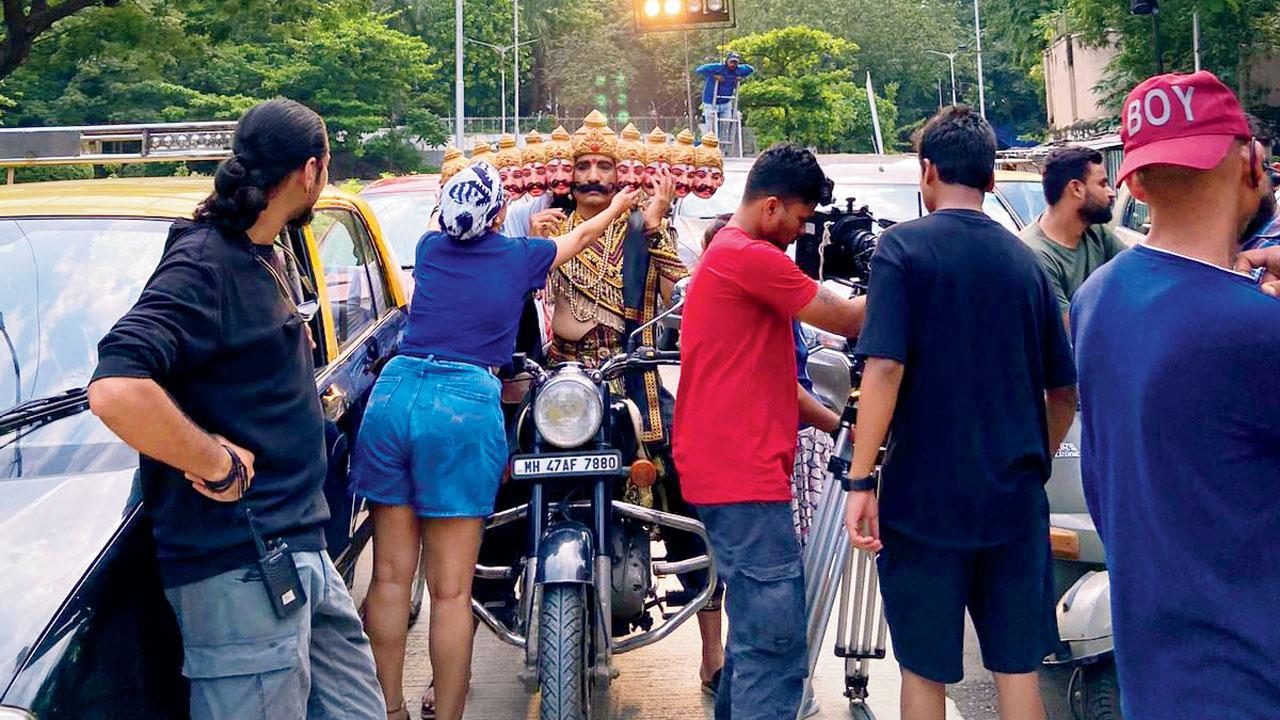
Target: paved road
<point x="660" y="682"/>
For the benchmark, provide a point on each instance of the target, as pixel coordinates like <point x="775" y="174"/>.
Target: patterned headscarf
<point x="471" y="201"/>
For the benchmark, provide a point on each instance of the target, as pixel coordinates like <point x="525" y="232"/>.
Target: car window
<point x="403" y="218"/>
<point x="63" y="283"/>
<point x="1136" y="216"/>
<point x="996" y="210"/>
<point x="352" y="272"/>
<point x="1026" y="197"/>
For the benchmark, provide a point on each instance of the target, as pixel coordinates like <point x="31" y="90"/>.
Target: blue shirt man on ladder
<point x="720" y="85"/>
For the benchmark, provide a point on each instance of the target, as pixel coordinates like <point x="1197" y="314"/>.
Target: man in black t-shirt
<point x="210" y="378"/>
<point x="966" y="354"/>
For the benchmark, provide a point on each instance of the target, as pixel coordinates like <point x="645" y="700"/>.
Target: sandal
<point x="712" y="686"/>
<point x="429" y="704"/>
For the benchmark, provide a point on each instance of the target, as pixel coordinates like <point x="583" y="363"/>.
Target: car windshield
<point x="404" y="218"/>
<point x="63" y="283"/>
<point x="1025" y="197"/>
<point x="897" y="202"/>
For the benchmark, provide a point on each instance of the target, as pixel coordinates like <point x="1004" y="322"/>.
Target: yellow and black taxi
<point x="85" y="631"/>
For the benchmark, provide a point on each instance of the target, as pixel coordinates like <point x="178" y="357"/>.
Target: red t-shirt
<point x="734" y="436"/>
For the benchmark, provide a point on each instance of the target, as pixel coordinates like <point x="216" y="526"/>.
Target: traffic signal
<point x="663" y="15"/>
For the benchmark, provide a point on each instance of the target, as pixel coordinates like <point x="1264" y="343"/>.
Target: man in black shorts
<point x="966" y="354"/>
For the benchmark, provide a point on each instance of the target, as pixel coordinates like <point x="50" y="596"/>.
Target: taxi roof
<point x="147" y="197"/>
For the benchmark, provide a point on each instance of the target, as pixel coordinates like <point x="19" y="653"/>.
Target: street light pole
<point x="457" y="77"/>
<point x="515" y="81"/>
<point x="977" y="31"/>
<point x="951" y="59"/>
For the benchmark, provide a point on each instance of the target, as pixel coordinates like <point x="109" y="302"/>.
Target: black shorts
<point x="1008" y="590"/>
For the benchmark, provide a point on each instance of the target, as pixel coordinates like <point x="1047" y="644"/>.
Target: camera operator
<point x="965" y="348"/>
<point x="210" y="377"/>
<point x="738" y="379"/>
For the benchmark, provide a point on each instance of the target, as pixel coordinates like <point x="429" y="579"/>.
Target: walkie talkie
<point x="279" y="572"/>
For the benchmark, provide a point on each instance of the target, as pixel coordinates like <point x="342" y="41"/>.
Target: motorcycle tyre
<point x="1099" y="697"/>
<point x="860" y="711"/>
<point x="563" y="649"/>
<point x="419" y="589"/>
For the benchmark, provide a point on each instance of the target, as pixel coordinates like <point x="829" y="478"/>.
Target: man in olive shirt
<point x="1070" y="239"/>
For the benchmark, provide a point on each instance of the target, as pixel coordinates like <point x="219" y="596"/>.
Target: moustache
<point x="602" y="188"/>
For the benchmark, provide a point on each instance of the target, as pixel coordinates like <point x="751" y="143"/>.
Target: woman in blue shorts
<point x="431" y="450"/>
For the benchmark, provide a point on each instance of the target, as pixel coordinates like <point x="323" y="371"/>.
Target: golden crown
<point x="482" y="152"/>
<point x="508" y="154"/>
<point x="560" y="147"/>
<point x="630" y="144"/>
<point x="535" y="151"/>
<point x="595" y="137"/>
<point x="682" y="153"/>
<point x="656" y="147"/>
<point x="708" y="154"/>
<point x="454" y="162"/>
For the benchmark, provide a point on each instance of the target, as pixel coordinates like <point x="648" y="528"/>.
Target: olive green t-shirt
<point x="1067" y="268"/>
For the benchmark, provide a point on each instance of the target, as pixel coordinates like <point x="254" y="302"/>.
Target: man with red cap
<point x="1181" y="446"/>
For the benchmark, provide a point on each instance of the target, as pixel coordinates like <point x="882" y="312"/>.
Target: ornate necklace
<point x="588" y="287"/>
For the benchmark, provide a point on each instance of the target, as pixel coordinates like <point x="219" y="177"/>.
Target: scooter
<point x="1079" y="678"/>
<point x="587" y="583"/>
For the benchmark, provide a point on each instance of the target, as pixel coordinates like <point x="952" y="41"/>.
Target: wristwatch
<point x="237" y="474"/>
<point x="862" y="484"/>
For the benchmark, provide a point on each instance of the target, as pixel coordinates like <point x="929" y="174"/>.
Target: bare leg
<point x="452" y="547"/>
<point x="386" y="620"/>
<point x="710" y="626"/>
<point x="922" y="699"/>
<point x="1019" y="696"/>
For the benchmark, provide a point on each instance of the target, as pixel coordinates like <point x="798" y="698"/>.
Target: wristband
<point x="862" y="484"/>
<point x="236" y="474"/>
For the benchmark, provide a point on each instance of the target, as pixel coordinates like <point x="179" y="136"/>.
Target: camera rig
<point x="838" y="243"/>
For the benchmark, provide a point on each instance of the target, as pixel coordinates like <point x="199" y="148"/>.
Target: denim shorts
<point x="432" y="438"/>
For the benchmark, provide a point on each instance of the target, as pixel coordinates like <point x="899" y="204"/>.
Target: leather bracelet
<point x="236" y="474"/>
<point x="862" y="484"/>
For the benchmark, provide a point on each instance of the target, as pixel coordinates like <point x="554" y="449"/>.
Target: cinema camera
<point x="837" y="243"/>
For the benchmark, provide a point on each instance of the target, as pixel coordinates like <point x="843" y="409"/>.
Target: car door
<point x="364" y="324"/>
<point x="1132" y="221"/>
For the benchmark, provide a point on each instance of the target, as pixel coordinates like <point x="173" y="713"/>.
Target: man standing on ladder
<point x="720" y="86"/>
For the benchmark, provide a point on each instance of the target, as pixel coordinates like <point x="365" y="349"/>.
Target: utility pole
<point x="951" y="58"/>
<point x="457" y="77"/>
<point x="515" y="43"/>
<point x="688" y="84"/>
<point x="1195" y="35"/>
<point x="977" y="31"/>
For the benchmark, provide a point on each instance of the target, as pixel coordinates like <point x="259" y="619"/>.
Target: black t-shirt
<point x="963" y="304"/>
<point x="213" y="328"/>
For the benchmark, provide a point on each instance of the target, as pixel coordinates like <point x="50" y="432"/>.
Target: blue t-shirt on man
<point x="721" y="81"/>
<point x="467" y="296"/>
<point x="1181" y="466"/>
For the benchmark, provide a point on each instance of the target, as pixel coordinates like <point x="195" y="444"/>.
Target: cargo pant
<point x="244" y="663"/>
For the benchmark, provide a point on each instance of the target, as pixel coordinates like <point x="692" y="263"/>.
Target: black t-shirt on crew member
<point x="964" y="305"/>
<point x="213" y="329"/>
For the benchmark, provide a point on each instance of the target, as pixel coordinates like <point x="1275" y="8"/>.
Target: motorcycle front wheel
<point x="563" y="651"/>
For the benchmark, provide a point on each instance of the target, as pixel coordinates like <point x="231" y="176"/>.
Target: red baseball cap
<point x="1176" y="119"/>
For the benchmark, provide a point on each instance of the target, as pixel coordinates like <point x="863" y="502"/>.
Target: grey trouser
<point x="244" y="663"/>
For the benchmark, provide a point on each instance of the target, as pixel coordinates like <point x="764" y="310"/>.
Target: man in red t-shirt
<point x="735" y="424"/>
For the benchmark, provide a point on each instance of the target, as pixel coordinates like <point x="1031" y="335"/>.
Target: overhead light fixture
<point x="695" y="6"/>
<point x="715" y="6"/>
<point x="652" y="7"/>
<point x="673" y="7"/>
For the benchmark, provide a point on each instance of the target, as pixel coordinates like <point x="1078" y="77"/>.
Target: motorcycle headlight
<point x="568" y="410"/>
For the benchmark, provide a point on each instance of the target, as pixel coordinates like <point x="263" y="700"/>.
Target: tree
<point x="26" y="20"/>
<point x="806" y="92"/>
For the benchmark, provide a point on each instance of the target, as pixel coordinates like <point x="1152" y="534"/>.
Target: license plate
<point x="525" y="467"/>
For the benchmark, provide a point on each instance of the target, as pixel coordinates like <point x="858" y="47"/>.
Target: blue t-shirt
<point x="721" y="82"/>
<point x="1181" y="466"/>
<point x="964" y="306"/>
<point x="467" y="296"/>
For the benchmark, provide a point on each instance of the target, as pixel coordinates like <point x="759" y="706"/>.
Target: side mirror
<point x="678" y="292"/>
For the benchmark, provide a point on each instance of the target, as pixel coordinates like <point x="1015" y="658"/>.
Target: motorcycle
<point x="588" y="585"/>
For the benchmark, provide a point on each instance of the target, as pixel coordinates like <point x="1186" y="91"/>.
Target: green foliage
<point x="177" y="60"/>
<point x="806" y="91"/>
<point x="52" y="172"/>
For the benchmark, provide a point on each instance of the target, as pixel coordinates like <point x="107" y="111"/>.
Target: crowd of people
<point x="974" y="340"/>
